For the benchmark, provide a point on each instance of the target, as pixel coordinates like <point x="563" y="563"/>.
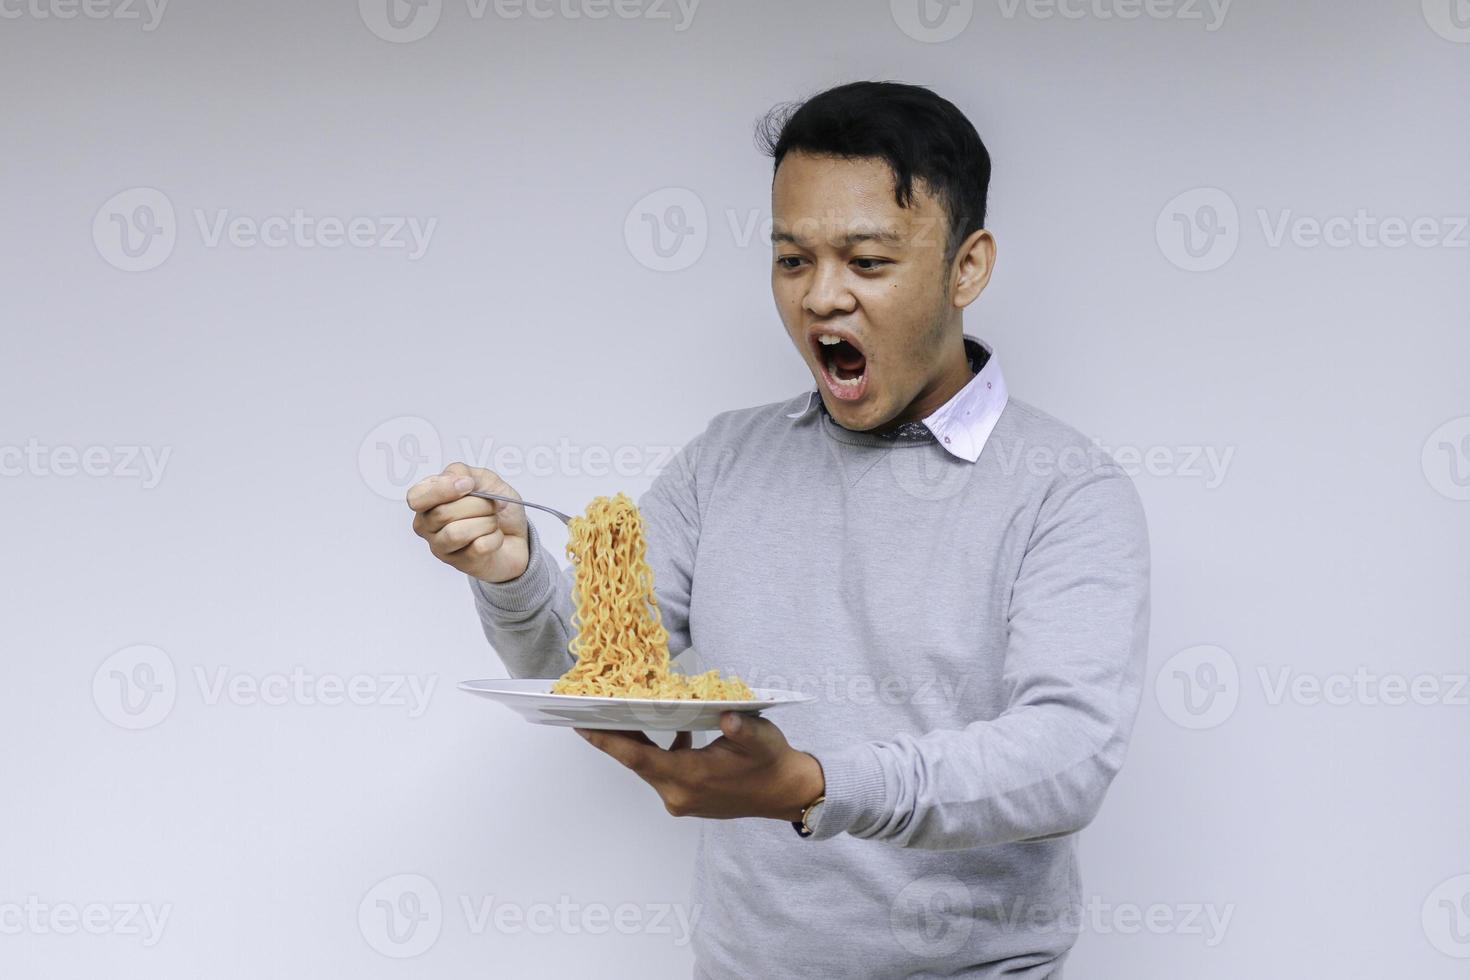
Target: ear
<point x="972" y="266"/>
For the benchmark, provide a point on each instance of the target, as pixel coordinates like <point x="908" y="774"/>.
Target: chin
<point x="859" y="418"/>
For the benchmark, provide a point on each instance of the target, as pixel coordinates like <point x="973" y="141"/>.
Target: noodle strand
<point x="620" y="643"/>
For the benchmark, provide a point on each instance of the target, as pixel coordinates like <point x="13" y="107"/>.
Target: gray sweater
<point x="975" y="634"/>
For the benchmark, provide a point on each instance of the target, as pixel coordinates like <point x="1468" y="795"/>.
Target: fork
<point x="524" y="503"/>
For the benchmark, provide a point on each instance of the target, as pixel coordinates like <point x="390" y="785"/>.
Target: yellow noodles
<point x="621" y="646"/>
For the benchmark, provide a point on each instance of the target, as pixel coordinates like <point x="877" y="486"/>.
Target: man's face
<point x="848" y="262"/>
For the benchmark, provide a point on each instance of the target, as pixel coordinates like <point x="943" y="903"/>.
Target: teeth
<point x="829" y="339"/>
<point x="848" y="382"/>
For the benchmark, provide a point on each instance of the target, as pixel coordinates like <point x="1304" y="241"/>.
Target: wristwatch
<point x="808" y="815"/>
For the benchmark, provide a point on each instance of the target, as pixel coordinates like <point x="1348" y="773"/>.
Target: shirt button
<point x="946" y="440"/>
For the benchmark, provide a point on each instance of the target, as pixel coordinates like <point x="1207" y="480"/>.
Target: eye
<point x="783" y="261"/>
<point x="870" y="265"/>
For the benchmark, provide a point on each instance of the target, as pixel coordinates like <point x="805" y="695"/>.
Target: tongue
<point x="848" y="357"/>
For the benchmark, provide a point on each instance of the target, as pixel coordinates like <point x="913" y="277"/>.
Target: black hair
<point x="919" y="134"/>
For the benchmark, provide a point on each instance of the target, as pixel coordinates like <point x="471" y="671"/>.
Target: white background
<point x="1334" y="836"/>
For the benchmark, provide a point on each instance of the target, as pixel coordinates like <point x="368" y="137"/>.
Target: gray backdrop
<point x="266" y="263"/>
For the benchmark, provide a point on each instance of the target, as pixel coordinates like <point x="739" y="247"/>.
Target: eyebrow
<point x="883" y="237"/>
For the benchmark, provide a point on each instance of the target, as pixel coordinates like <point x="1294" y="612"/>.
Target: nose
<point x="827" y="293"/>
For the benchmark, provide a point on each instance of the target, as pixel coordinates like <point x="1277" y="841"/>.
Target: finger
<point x="682" y="740"/>
<point x="629" y="751"/>
<point x="451" y="485"/>
<point x="435" y="519"/>
<point x="464" y="534"/>
<point x="640" y="737"/>
<point x="441" y="488"/>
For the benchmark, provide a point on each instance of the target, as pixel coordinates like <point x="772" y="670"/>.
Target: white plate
<point x="532" y="700"/>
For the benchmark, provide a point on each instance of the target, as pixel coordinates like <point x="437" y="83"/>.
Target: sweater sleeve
<point x="528" y="620"/>
<point x="1074" y="665"/>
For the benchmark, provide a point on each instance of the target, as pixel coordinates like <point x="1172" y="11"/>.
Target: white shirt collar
<point x="964" y="423"/>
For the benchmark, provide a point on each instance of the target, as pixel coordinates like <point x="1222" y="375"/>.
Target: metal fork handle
<point x="524" y="503"/>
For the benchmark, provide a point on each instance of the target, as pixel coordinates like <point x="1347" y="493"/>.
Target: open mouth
<point x="844" y="365"/>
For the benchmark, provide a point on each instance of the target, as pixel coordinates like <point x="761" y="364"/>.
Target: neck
<point x="953" y="375"/>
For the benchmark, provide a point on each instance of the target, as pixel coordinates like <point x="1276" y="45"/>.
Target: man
<point x="963" y="577"/>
